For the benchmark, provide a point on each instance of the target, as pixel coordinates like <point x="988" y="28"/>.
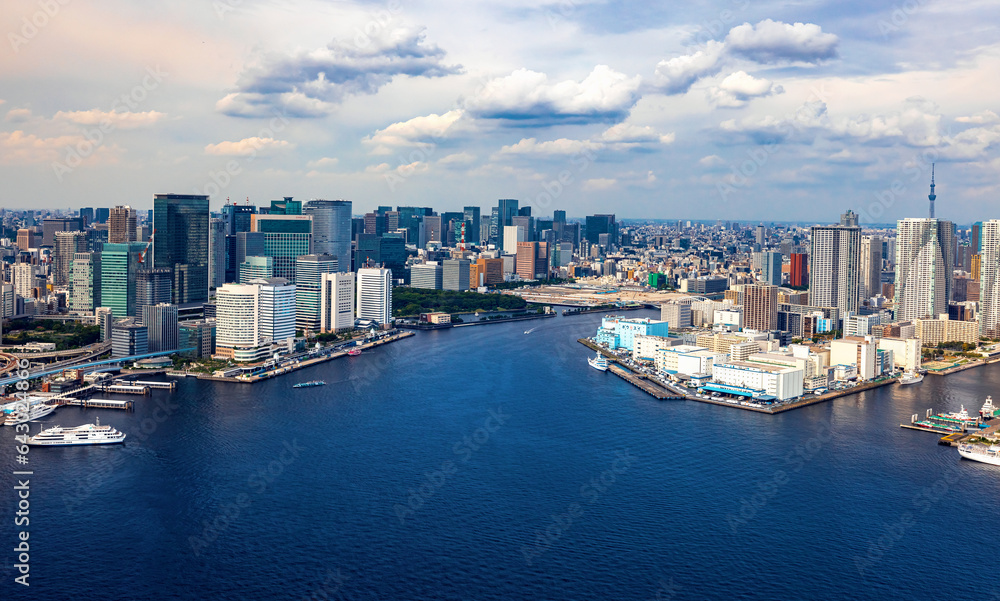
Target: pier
<point x="123" y="389"/>
<point x="164" y="385"/>
<point x="99" y="403"/>
<point x="641" y="381"/>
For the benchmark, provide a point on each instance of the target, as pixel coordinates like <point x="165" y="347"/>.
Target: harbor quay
<point x="661" y="390"/>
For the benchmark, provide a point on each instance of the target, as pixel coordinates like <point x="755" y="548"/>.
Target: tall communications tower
<point x="932" y="195"/>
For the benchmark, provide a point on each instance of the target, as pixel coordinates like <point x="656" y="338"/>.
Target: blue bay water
<point x="485" y="463"/>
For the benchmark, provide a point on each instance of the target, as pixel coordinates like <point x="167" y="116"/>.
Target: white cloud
<point x="980" y="118"/>
<point x="458" y="158"/>
<point x="18" y="115"/>
<point x="528" y="98"/>
<point x="247" y="147"/>
<point x="911" y="126"/>
<point x="323" y="163"/>
<point x="18" y="148"/>
<point x="117" y="119"/>
<point x="312" y="83"/>
<point x="774" y="41"/>
<point x="738" y="88"/>
<point x="562" y="146"/>
<point x="712" y="160"/>
<point x="677" y="75"/>
<point x="635" y="134"/>
<point x="599" y="183"/>
<point x="414" y="131"/>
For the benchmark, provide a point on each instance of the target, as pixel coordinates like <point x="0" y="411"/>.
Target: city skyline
<point x="722" y="105"/>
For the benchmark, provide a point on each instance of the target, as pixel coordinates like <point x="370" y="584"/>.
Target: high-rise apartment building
<point x="834" y="261"/>
<point x="760" y="307"/>
<point x="924" y="267"/>
<point x="989" y="279"/>
<point x="770" y="268"/>
<point x="181" y="244"/>
<point x="871" y="266"/>
<point x="798" y="270"/>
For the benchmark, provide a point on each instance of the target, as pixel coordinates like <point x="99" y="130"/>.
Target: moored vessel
<point x="354" y="352"/>
<point x="911" y="378"/>
<point x="980" y="452"/>
<point x="33" y="412"/>
<point x="599" y="362"/>
<point x="988" y="411"/>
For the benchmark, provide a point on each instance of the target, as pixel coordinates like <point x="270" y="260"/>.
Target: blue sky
<point x="738" y="109"/>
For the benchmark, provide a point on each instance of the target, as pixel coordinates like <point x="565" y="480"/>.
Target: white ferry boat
<point x="911" y="378"/>
<point x="36" y="411"/>
<point x="980" y="452"/>
<point x="80" y="435"/>
<point x="599" y="362"/>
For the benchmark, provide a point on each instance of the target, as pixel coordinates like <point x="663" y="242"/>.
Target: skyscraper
<point x="455" y="274"/>
<point x="277" y="306"/>
<point x="834" y="274"/>
<point x="237" y="219"/>
<point x="374" y="298"/>
<point x="331" y="230"/>
<point x="506" y="210"/>
<point x="161" y="326"/>
<point x="152" y="287"/>
<point x="989" y="279"/>
<point x="217" y="243"/>
<point x="119" y="266"/>
<point x="924" y="263"/>
<point x="122" y="225"/>
<point x="85" y="282"/>
<point x="67" y="244"/>
<point x="871" y="266"/>
<point x="286" y="237"/>
<point x="798" y="272"/>
<point x="601" y="224"/>
<point x="472" y="225"/>
<point x="770" y="269"/>
<point x="309" y="270"/>
<point x="181" y="244"/>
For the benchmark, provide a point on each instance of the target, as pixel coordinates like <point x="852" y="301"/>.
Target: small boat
<point x="354" y="352"/>
<point x="310" y="384"/>
<point x="911" y="378"/>
<point x="599" y="362"/>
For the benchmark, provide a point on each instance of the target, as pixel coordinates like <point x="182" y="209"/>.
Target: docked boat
<point x="599" y="362"/>
<point x="988" y="411"/>
<point x="36" y="411"/>
<point x="980" y="452"/>
<point x="87" y="434"/>
<point x="911" y="378"/>
<point x="354" y="352"/>
<point x="310" y="384"/>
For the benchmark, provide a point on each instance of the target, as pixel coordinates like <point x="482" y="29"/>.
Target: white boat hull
<point x="905" y="381"/>
<point x="980" y="457"/>
<point x="36" y="411"/>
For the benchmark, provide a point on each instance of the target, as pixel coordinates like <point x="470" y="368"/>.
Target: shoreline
<point x="804" y="402"/>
